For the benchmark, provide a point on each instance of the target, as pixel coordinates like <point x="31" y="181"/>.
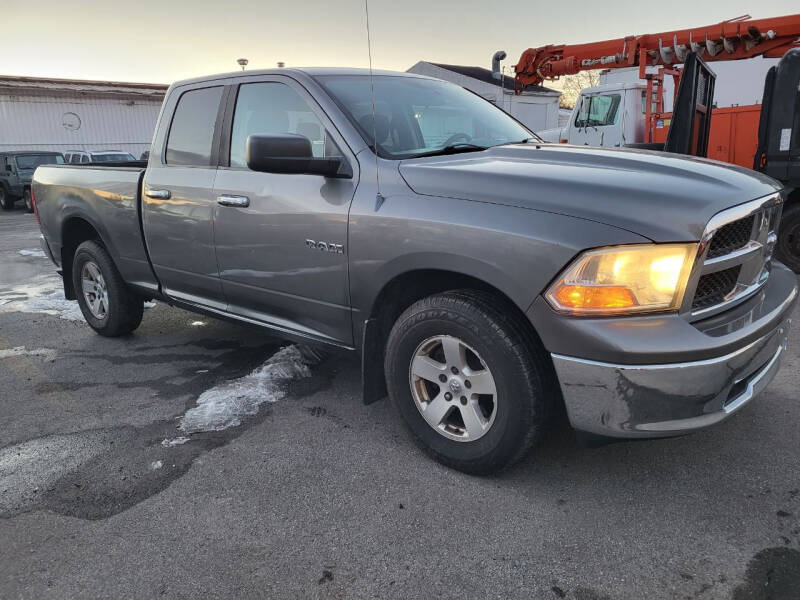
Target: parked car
<point x="76" y="157"/>
<point x="16" y="171"/>
<point x="483" y="280"/>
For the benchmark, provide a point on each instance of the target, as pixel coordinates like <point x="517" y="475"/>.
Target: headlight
<point x="624" y="279"/>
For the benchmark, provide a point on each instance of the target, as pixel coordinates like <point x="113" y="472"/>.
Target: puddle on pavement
<point x="99" y="473"/>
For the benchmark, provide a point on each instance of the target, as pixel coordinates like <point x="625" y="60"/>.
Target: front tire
<point x="467" y="381"/>
<point x="787" y="249"/>
<point x="107" y="304"/>
<point x="26" y="195"/>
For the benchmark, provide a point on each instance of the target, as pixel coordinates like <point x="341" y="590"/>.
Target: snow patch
<point x="45" y="296"/>
<point x="48" y="353"/>
<point x="175" y="441"/>
<point x="32" y="252"/>
<point x="56" y="304"/>
<point x="225" y="405"/>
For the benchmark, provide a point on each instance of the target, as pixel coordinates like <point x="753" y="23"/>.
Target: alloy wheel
<point x="453" y="388"/>
<point x="94" y="290"/>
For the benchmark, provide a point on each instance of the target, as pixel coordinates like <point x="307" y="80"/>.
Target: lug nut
<point x="454" y="370"/>
<point x="467" y="384"/>
<point x="442" y="377"/>
<point x="464" y="400"/>
<point x="448" y="396"/>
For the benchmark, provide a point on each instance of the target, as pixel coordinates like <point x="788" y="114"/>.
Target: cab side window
<point x="275" y="108"/>
<point x="192" y="131"/>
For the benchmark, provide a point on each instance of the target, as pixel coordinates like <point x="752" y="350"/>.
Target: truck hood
<point x="664" y="197"/>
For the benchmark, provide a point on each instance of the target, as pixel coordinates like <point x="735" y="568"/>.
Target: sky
<point x="167" y="40"/>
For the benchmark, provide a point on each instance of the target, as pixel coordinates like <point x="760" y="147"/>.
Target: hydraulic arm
<point x="730" y="40"/>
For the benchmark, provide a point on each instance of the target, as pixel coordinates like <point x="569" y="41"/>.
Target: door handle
<point x="238" y="201"/>
<point x="158" y="194"/>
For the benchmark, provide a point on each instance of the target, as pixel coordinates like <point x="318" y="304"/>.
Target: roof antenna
<point x="379" y="199"/>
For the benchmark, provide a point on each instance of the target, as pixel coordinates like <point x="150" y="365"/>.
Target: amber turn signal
<point x="588" y="297"/>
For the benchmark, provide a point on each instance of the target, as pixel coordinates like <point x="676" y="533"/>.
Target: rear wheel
<point x="28" y="202"/>
<point x="107" y="304"/>
<point x="466" y="381"/>
<point x="6" y="202"/>
<point x="788" y="248"/>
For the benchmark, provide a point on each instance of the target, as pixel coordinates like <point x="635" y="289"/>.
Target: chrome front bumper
<point x="642" y="401"/>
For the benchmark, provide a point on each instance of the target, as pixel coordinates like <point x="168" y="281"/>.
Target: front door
<point x="179" y="202"/>
<point x="281" y="239"/>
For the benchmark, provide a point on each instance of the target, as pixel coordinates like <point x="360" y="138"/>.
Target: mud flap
<point x="373" y="381"/>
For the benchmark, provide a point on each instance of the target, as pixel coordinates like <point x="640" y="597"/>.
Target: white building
<point x="536" y="107"/>
<point x="738" y="82"/>
<point x="68" y="114"/>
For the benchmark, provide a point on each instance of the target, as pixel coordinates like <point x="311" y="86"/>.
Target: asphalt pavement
<point x="319" y="496"/>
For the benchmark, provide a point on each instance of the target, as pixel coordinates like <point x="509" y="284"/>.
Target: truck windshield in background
<point x="31" y="161"/>
<point x="598" y="110"/>
<point x="415" y="116"/>
<point x="122" y="157"/>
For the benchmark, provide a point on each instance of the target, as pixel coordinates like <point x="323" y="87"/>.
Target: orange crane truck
<point x="762" y="136"/>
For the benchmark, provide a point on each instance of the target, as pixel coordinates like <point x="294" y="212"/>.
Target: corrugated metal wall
<point x="69" y="121"/>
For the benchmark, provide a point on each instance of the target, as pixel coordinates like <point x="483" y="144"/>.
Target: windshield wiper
<point x="452" y="149"/>
<point x="525" y="141"/>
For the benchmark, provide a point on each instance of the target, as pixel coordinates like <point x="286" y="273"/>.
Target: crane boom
<point x="729" y="40"/>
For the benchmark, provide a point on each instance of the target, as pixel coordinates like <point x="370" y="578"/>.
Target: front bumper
<point x="659" y="399"/>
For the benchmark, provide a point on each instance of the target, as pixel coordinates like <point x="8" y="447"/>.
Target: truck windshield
<point x="31" y="161"/>
<point x="418" y="117"/>
<point x="598" y="110"/>
<point x="121" y="157"/>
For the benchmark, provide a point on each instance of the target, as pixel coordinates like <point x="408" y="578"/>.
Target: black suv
<point x="16" y="172"/>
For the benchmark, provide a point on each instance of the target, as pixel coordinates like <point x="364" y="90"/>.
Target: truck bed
<point x="107" y="197"/>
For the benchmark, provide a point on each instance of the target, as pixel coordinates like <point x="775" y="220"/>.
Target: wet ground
<point x="316" y="495"/>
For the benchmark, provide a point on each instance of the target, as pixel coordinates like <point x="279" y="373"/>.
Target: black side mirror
<point x="289" y="153"/>
<point x="9" y="168"/>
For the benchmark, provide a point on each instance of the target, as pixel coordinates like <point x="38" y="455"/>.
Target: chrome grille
<point x="732" y="236"/>
<point x="734" y="256"/>
<point x="714" y="287"/>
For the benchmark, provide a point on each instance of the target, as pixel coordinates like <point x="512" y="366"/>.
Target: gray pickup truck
<point x="485" y="279"/>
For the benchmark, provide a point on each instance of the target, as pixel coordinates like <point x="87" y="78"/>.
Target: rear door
<point x="179" y="201"/>
<point x="282" y="238"/>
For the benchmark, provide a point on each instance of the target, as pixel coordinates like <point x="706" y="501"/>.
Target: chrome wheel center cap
<point x="455" y="386"/>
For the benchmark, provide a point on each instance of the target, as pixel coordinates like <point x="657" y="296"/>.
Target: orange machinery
<point x="734" y="130"/>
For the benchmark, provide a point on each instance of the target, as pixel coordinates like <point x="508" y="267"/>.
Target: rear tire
<point x="490" y="353"/>
<point x="787" y="249"/>
<point x="6" y="202"/>
<point x="26" y="195"/>
<point x="107" y="304"/>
